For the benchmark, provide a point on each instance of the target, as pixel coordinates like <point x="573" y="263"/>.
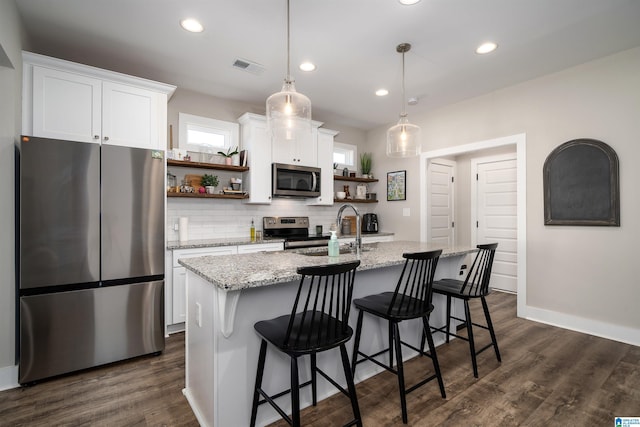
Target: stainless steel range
<point x="293" y="229"/>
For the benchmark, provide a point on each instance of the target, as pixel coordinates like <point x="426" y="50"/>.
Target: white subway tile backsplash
<point x="220" y="218"/>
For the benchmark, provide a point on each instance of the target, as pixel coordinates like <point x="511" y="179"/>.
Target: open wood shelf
<point x="208" y="196"/>
<point x="353" y="179"/>
<point x="200" y="165"/>
<point x="355" y="201"/>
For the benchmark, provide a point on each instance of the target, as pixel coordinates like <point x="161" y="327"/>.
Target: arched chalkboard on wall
<point x="581" y="184"/>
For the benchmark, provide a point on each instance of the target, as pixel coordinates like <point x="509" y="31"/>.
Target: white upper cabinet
<point x="256" y="140"/>
<point x="325" y="163"/>
<point x="65" y="100"/>
<point x="66" y="106"/>
<point x="297" y="152"/>
<point x="130" y="116"/>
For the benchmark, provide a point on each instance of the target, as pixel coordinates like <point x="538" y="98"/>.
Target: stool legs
<point x="260" y="372"/>
<point x="487" y="316"/>
<point x="295" y="393"/>
<point x="472" y="344"/>
<point x="400" y="371"/>
<point x="351" y="387"/>
<point x="434" y="357"/>
<point x="356" y="342"/>
<point x="395" y="343"/>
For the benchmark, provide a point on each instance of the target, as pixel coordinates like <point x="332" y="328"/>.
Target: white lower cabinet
<point x="179" y="273"/>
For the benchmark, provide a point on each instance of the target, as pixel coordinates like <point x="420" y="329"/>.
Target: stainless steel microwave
<point x="295" y="181"/>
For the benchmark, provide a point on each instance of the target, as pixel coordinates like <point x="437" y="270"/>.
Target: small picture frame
<point x="396" y="185"/>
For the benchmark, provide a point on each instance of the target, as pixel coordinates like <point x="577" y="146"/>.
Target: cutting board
<point x="353" y="223"/>
<point x="195" y="181"/>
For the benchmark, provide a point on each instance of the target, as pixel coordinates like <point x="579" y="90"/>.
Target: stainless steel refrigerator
<point x="91" y="255"/>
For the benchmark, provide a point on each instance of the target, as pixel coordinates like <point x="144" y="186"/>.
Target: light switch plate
<point x="406" y="211"/>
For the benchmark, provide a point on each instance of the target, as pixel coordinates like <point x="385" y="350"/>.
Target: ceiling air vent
<point x="248" y="66"/>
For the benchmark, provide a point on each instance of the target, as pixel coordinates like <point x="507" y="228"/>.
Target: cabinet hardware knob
<point x="96" y="136"/>
<point x="106" y="138"/>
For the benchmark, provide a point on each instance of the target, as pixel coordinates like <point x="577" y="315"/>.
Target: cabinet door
<point x="307" y="151"/>
<point x="180" y="273"/>
<point x="66" y="105"/>
<point x="256" y="140"/>
<point x="130" y="116"/>
<point x="298" y="152"/>
<point x="325" y="163"/>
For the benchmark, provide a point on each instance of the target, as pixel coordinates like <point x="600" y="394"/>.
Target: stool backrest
<point x="414" y="289"/>
<point x="477" y="281"/>
<point x="324" y="296"/>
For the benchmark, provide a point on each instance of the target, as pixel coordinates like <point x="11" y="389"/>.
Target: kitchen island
<point x="226" y="295"/>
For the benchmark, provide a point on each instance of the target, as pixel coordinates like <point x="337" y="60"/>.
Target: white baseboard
<point x="9" y="378"/>
<point x="194" y="408"/>
<point x="597" y="328"/>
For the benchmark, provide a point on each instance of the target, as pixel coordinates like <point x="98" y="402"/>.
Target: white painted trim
<point x="610" y="331"/>
<point x="9" y="378"/>
<point x="520" y="141"/>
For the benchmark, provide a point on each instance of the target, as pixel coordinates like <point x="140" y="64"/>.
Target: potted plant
<point x="365" y="164"/>
<point x="230" y="152"/>
<point x="209" y="182"/>
<point x="335" y="169"/>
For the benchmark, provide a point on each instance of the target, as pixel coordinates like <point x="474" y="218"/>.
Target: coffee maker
<point x="370" y="223"/>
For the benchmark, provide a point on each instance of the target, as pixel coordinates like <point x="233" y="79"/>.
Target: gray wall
<point x="575" y="275"/>
<point x="10" y="116"/>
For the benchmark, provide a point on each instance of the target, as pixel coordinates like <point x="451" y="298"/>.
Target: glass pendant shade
<point x="403" y="139"/>
<point x="289" y="114"/>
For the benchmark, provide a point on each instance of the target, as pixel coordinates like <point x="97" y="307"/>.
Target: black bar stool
<point x="318" y="322"/>
<point x="410" y="300"/>
<point x="475" y="285"/>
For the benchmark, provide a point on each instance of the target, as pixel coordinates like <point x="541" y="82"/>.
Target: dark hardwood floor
<point x="549" y="376"/>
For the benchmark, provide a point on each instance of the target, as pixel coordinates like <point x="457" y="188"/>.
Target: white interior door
<point x="440" y="206"/>
<point x="496" y="215"/>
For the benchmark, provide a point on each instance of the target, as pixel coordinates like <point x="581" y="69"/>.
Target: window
<point x="206" y="135"/>
<point x="345" y="155"/>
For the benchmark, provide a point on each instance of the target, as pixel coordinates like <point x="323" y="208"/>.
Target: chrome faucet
<point x="358" y="225"/>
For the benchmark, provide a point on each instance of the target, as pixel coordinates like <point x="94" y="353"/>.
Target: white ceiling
<point x="352" y="42"/>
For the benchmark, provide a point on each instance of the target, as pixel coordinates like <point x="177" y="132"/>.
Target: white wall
<point x="578" y="277"/>
<point x="10" y="106"/>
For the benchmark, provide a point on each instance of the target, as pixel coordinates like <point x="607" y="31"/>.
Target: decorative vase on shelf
<point x="228" y="160"/>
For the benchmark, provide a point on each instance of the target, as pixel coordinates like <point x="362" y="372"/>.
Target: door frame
<point x="453" y="164"/>
<point x="519" y="140"/>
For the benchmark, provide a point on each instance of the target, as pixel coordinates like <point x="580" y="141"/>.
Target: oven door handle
<point x="314" y="185"/>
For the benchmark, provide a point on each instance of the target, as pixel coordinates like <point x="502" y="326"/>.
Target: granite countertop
<point x="234" y="241"/>
<point x="236" y="272"/>
<point x="210" y="243"/>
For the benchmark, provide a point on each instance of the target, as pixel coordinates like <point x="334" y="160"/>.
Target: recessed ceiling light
<point x="307" y="66"/>
<point x="192" y="25"/>
<point x="382" y="92"/>
<point x="486" y="48"/>
<point x="409" y="2"/>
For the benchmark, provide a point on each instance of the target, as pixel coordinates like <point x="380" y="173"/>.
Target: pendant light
<point x="289" y="112"/>
<point x="403" y="139"/>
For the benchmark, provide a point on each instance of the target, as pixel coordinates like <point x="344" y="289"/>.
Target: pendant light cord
<point x="404" y="113"/>
<point x="288" y="44"/>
